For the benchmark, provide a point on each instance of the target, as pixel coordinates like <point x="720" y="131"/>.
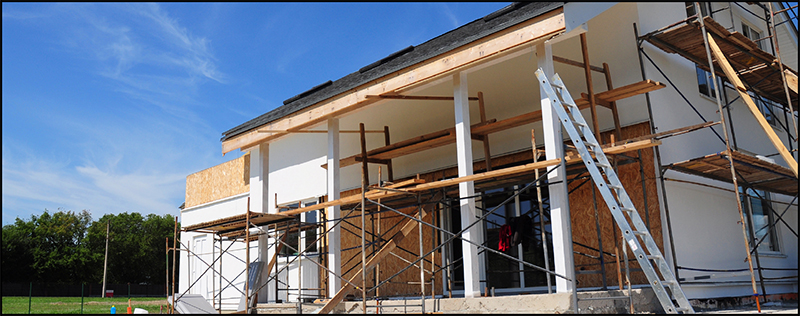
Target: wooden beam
<point x="614" y="111"/>
<point x="492" y="46"/>
<point x="673" y="132"/>
<point x="414" y="97"/>
<point x="315" y="131"/>
<point x="791" y="80"/>
<point x="364" y="157"/>
<point x="575" y="63"/>
<point x="589" y="86"/>
<point x="486" y="152"/>
<point x="597" y="100"/>
<point x="380" y="255"/>
<point x="734" y="79"/>
<point x="388" y="142"/>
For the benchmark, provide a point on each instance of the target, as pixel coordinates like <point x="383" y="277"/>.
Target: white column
<point x="465" y="189"/>
<point x="259" y="202"/>
<point x="559" y="204"/>
<point x="334" y="235"/>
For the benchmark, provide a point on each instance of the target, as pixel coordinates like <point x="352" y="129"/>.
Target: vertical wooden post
<point x="587" y="69"/>
<point x="614" y="111"/>
<point x="486" y="152"/>
<point x="389" y="164"/>
<point x="364" y="166"/>
<point x="363" y="230"/>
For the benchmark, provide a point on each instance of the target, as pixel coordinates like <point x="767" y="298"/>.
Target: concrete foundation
<point x="559" y="303"/>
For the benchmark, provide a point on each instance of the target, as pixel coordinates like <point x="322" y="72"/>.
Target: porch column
<point x="559" y="204"/>
<point x="334" y="235"/>
<point x="466" y="189"/>
<point x="259" y="203"/>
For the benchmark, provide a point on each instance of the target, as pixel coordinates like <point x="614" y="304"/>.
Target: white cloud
<point x="449" y="14"/>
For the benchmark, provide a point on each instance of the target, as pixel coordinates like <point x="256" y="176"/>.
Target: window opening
<point x="765" y="106"/>
<point x="525" y="236"/>
<point x="762" y="219"/>
<point x="308" y="234"/>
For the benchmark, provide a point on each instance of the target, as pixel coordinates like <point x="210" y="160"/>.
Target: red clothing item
<point x="505" y="237"/>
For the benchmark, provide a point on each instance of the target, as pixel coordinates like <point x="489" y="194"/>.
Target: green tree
<point x="136" y="248"/>
<point x="17" y="259"/>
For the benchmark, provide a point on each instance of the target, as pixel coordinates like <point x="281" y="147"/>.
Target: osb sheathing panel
<point x="390" y="223"/>
<point x="218" y="182"/>
<point x="582" y="215"/>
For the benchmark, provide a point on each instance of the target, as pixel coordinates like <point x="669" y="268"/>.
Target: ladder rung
<point x="581" y="124"/>
<point x="604" y="165"/>
<point x="615" y="187"/>
<point x="627" y="209"/>
<point x="593" y="144"/>
<point x="659" y="257"/>
<point x="641" y="233"/>
<point x="669" y="282"/>
<point x="682" y="309"/>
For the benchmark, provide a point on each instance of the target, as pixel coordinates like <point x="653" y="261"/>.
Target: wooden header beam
<point x="415" y="97"/>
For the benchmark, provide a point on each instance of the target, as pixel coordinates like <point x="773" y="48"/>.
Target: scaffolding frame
<point x="750" y="245"/>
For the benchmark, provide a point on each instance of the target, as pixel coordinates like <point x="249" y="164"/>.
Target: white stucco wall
<point x="191" y="267"/>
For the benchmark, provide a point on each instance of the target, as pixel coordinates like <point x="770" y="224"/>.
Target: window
<point x="765" y="106"/>
<point x="753" y="35"/>
<point x="308" y="228"/>
<point x="502" y="272"/>
<point x="761" y="217"/>
<point x="690" y="8"/>
<point x="704" y="83"/>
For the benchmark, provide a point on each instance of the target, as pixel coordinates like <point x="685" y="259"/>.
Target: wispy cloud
<point x="449" y="14"/>
<point x="131" y="150"/>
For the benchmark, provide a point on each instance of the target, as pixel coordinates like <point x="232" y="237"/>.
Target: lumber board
<point x="791" y="80"/>
<point x="414" y="97"/>
<point x="623" y="92"/>
<point x="731" y="74"/>
<point x="380" y="255"/>
<point x="576" y="63"/>
<point x="672" y="132"/>
<point x="463" y="57"/>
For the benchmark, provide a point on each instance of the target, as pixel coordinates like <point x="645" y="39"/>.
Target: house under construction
<point x="584" y="152"/>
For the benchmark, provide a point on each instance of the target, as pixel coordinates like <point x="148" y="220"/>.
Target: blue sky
<point x="108" y="107"/>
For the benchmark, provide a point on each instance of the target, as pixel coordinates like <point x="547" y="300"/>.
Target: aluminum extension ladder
<point x="582" y="136"/>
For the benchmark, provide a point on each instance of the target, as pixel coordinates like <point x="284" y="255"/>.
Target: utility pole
<point x="105" y="262"/>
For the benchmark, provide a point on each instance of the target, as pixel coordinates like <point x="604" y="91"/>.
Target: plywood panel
<point x="583" y="215"/>
<point x="218" y="182"/>
<point x="390" y="224"/>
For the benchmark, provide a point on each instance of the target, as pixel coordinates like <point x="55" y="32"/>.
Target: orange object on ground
<point x="129" y="307"/>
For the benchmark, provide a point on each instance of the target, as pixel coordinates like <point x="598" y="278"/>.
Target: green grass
<point x="72" y="305"/>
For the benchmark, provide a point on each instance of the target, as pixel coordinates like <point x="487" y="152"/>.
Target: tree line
<point x="68" y="247"/>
